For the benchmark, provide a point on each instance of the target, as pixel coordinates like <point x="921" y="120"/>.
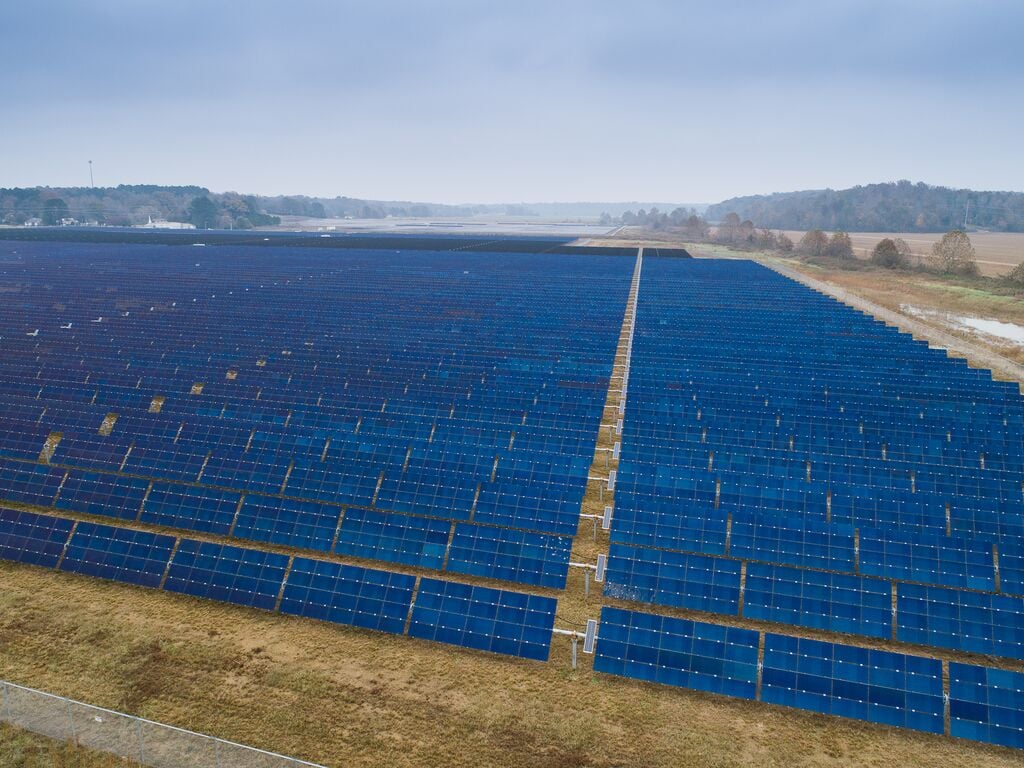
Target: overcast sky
<point x="475" y="101"/>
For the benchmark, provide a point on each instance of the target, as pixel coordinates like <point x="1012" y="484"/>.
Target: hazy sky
<point x="475" y="101"/>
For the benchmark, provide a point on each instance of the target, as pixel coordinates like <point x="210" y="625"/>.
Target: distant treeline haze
<point x="899" y="207"/>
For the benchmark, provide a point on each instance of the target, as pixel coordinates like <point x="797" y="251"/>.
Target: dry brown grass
<point x="21" y="749"/>
<point x="997" y="252"/>
<point x="343" y="696"/>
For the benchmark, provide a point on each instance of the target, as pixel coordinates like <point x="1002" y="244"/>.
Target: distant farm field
<point x="998" y="252"/>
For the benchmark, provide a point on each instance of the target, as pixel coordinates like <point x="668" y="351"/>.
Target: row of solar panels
<point x="943" y="617"/>
<point x="924" y="554"/>
<point x="519" y="346"/>
<point x="470" y="548"/>
<point x="686" y="473"/>
<point x="985" y="704"/>
<point x="460" y="614"/>
<point x="805" y="328"/>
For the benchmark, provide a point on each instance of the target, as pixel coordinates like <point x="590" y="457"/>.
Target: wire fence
<point x="133" y="738"/>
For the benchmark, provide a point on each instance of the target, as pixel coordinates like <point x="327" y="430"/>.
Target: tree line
<point x="128" y="205"/>
<point x="131" y="204"/>
<point x="894" y="207"/>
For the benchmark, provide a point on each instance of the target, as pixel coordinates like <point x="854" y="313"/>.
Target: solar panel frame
<point x="347" y="594"/>
<point x="481" y="618"/>
<point x="687" y="654"/>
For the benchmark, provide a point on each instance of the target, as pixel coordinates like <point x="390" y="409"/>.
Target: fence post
<point x="71" y="722"/>
<point x="216" y="752"/>
<point x="7" y="705"/>
<point x="142" y="753"/>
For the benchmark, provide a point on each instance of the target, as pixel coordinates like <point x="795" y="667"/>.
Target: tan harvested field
<point x="997" y="252"/>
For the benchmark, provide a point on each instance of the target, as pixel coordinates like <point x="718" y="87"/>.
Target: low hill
<point x="894" y="207"/>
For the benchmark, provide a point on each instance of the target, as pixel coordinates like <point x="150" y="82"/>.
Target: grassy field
<point x="349" y="697"/>
<point x="997" y="252"/>
<point x="21" y="749"/>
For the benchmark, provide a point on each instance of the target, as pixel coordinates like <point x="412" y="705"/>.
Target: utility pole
<point x="91" y="184"/>
<point x="966" y="211"/>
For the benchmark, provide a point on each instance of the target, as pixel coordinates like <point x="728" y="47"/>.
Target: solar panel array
<point x="495" y="620"/>
<point x="788" y="459"/>
<point x="430" y="408"/>
<point x="784" y="458"/>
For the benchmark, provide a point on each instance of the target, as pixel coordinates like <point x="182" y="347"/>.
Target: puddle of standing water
<point x="1007" y="332"/>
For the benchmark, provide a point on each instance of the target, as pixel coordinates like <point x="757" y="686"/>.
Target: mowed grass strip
<point x="341" y="696"/>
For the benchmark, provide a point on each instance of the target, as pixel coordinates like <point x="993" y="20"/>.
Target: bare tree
<point x="840" y="246"/>
<point x="954" y="254"/>
<point x="908" y="257"/>
<point x="1016" y="275"/>
<point x="887" y="254"/>
<point x="813" y="243"/>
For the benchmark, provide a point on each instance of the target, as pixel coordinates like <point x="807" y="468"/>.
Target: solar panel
<point x="1011" y="568"/>
<point x="673" y="578"/>
<point x="345" y="594"/>
<point x="937" y="560"/>
<point x="640" y="521"/>
<point x="95" y="493"/>
<point x="120" y="554"/>
<point x="292" y="523"/>
<point x="231" y="574"/>
<point x="29" y="483"/>
<point x="831" y="601"/>
<point x="860" y="683"/>
<point x="986" y="704"/>
<point x="486" y="619"/>
<point x="501" y="553"/>
<point x="395" y="538"/>
<point x="194" y="509"/>
<point x="808" y="544"/>
<point x="687" y="654"/>
<point x="29" y="538"/>
<point x="975" y="622"/>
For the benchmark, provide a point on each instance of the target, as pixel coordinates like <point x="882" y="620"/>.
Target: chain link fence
<point x="133" y="738"/>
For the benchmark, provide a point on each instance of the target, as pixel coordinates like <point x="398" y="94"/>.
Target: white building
<point x="164" y="224"/>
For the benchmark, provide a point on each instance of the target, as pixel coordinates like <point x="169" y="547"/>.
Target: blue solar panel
<point x="938" y="560"/>
<point x="395" y="538"/>
<point x="29" y="483"/>
<point x="29" y="538"/>
<point x="95" y="493"/>
<point x="859" y="683"/>
<point x="641" y="522"/>
<point x="345" y="594"/>
<point x="303" y="524"/>
<point x="1011" y="568"/>
<point x="486" y="619"/>
<point x="230" y="574"/>
<point x="501" y="553"/>
<point x="673" y="578"/>
<point x="976" y="622"/>
<point x="121" y="554"/>
<point x="688" y="654"/>
<point x="832" y="601"/>
<point x="986" y="704"/>
<point x="191" y="508"/>
<point x="808" y="545"/>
